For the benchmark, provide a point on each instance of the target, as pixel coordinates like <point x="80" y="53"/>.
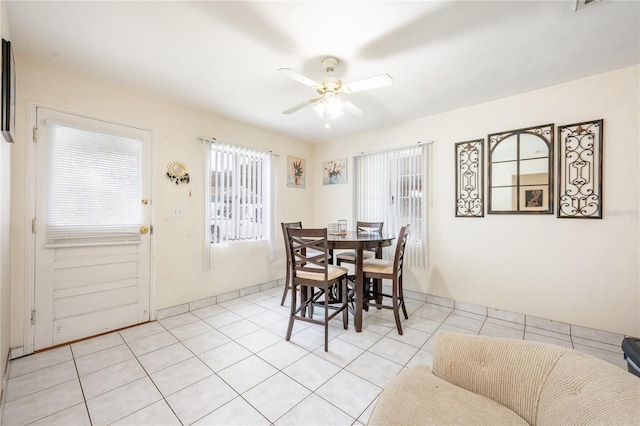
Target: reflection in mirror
<point x="520" y="169"/>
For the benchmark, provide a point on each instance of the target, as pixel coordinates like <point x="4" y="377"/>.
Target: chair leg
<point x="345" y="307"/>
<point x="401" y="292"/>
<point x="396" y="311"/>
<point x="287" y="285"/>
<point x="366" y="293"/>
<point x="377" y="285"/>
<point x="293" y="313"/>
<point x="326" y="319"/>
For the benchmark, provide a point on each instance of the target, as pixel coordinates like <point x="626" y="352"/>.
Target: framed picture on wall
<point x="335" y="171"/>
<point x="8" y="92"/>
<point x="296" y="170"/>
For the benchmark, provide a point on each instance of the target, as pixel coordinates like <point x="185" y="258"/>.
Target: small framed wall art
<point x="296" y="170"/>
<point x="334" y="172"/>
<point x="8" y="92"/>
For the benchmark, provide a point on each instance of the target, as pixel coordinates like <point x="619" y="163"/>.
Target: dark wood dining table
<point x="359" y="241"/>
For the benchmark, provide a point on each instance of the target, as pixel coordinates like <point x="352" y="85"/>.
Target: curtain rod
<point x="275" y="154"/>
<point x="393" y="149"/>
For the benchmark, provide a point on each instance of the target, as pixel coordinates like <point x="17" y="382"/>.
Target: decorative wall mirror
<point x="520" y="171"/>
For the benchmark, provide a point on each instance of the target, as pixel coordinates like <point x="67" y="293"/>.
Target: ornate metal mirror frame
<point x="469" y="178"/>
<point x="520" y="171"/>
<point x="580" y="170"/>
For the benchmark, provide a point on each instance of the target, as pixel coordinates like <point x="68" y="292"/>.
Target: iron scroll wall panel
<point x="469" y="178"/>
<point x="580" y="170"/>
<point x="520" y="171"/>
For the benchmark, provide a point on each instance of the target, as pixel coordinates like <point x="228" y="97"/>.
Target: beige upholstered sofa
<point x="478" y="380"/>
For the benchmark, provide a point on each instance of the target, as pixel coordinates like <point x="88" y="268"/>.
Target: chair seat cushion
<point x="378" y="266"/>
<point x="333" y="273"/>
<point x="350" y="256"/>
<point x="418" y="397"/>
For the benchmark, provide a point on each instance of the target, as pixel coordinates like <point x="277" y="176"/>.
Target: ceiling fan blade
<point x="298" y="77"/>
<point x="351" y="109"/>
<point x="298" y="107"/>
<point x="381" y="80"/>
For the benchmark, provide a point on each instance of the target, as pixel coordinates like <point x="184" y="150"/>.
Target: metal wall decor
<point x="469" y="178"/>
<point x="520" y="171"/>
<point x="580" y="170"/>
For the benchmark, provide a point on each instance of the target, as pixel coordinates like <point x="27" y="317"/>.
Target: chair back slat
<point x="308" y="249"/>
<point x="286" y="225"/>
<point x="371" y="227"/>
<point x="400" y="248"/>
<point x="287" y="284"/>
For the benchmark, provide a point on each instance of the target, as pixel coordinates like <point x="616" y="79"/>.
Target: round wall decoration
<point x="177" y="172"/>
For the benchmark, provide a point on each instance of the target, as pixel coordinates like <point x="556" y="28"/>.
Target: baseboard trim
<point x="16" y="352"/>
<point x="214" y="300"/>
<point x="547" y="324"/>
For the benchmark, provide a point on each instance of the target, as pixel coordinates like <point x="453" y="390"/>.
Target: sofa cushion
<point x="508" y="371"/>
<point x="417" y="397"/>
<point x="585" y="390"/>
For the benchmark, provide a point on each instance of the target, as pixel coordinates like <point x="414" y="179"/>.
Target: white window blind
<point x="240" y="193"/>
<point x="93" y="187"/>
<point x="390" y="187"/>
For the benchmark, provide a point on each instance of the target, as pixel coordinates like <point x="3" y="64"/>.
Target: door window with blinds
<point x="93" y="187"/>
<point x="239" y="193"/>
<point x="390" y="187"/>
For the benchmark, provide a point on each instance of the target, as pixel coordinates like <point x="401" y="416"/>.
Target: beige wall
<point x="5" y="232"/>
<point x="582" y="272"/>
<point x="178" y="241"/>
<point x="577" y="271"/>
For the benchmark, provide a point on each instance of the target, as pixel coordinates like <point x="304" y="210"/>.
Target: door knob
<point x="144" y="229"/>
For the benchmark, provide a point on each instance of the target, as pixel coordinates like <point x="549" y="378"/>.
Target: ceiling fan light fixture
<point x="330" y="106"/>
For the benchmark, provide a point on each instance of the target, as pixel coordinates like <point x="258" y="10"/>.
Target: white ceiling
<point x="223" y="56"/>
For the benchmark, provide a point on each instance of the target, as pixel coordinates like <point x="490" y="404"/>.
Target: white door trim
<point x="30" y="209"/>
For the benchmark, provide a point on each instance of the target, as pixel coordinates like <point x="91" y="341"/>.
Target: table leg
<point x="358" y="291"/>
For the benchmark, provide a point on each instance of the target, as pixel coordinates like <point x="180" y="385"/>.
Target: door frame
<point x="30" y="211"/>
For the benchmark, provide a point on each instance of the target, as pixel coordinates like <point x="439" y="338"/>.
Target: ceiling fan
<point x="329" y="105"/>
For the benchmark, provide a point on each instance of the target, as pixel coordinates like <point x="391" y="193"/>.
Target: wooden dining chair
<point x="287" y="279"/>
<point x="350" y="256"/>
<point x="390" y="270"/>
<point x="316" y="277"/>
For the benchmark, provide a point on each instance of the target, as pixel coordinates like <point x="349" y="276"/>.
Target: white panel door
<point x="92" y="260"/>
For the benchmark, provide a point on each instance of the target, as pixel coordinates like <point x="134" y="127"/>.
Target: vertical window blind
<point x="390" y="187"/>
<point x="93" y="187"/>
<point x="239" y="192"/>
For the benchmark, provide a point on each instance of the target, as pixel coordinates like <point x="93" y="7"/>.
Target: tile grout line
<point x="84" y="397"/>
<point x="147" y="376"/>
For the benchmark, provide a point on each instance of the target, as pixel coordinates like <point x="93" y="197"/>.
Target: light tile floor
<point x="229" y="364"/>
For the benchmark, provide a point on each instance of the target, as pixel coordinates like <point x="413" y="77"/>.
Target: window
<point x="239" y="193"/>
<point x="93" y="187"/>
<point x="390" y="187"/>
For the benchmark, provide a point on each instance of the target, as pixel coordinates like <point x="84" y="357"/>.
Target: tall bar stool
<point x="385" y="269"/>
<point x="350" y="256"/>
<point x="311" y="271"/>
